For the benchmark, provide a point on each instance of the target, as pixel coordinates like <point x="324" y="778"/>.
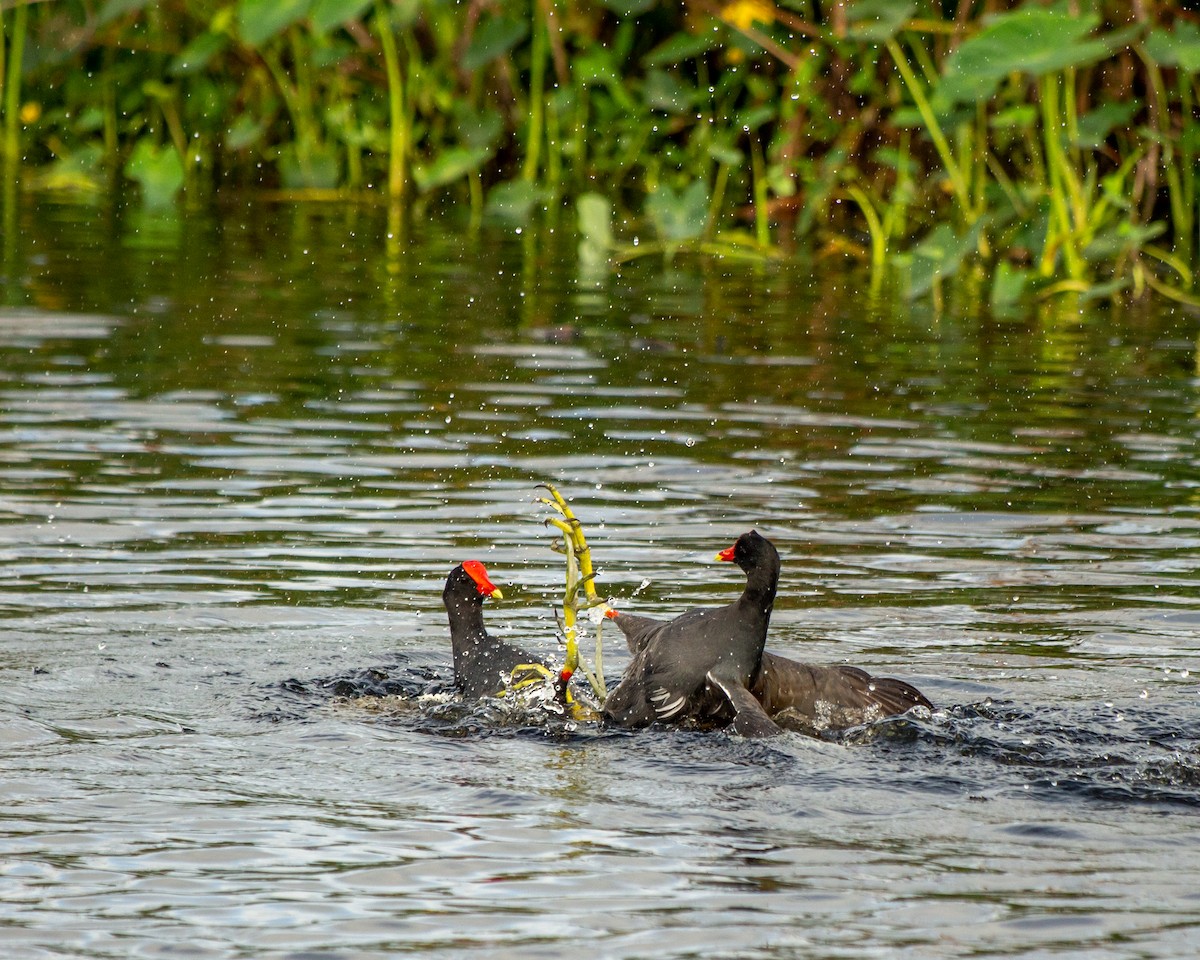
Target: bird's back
<point x="826" y="697"/>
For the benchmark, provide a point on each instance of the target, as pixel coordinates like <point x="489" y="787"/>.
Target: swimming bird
<point x="483" y="664"/>
<point x="813" y="697"/>
<point x="701" y="664"/>
<point x="829" y="697"/>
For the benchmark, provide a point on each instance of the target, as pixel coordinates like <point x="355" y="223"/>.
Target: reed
<point x="1010" y="125"/>
<point x="12" y="54"/>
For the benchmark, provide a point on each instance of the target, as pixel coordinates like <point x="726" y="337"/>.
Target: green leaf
<point x="1018" y="117"/>
<point x="330" y="14"/>
<point x="1177" y="48"/>
<point x="1122" y="238"/>
<point x="308" y="166"/>
<point x="907" y="118"/>
<point x="679" y="47"/>
<point x="331" y="54"/>
<point x="939" y="255"/>
<point x="1008" y="285"/>
<point x="113" y="9"/>
<point x="402" y="14"/>
<point x="595" y="67"/>
<point x="1032" y="41"/>
<point x="899" y="160"/>
<point x="876" y="21"/>
<point x="594" y="218"/>
<point x="726" y="153"/>
<point x="451" y="164"/>
<point x="494" y="38"/>
<point x="780" y="180"/>
<point x="663" y="91"/>
<point x="1102" y="291"/>
<point x="679" y="216"/>
<point x="594" y="215"/>
<point x="755" y="117"/>
<point x="513" y="202"/>
<point x="89" y="120"/>
<point x="195" y="56"/>
<point x="478" y="129"/>
<point x="243" y="132"/>
<point x="81" y="171"/>
<point x="260" y="20"/>
<point x="1093" y="127"/>
<point x="628" y="8"/>
<point x="158" y="171"/>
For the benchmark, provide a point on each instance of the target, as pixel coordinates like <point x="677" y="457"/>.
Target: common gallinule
<point x="701" y="664"/>
<point x="826" y="697"/>
<point x="814" y="697"/>
<point x="483" y="664"/>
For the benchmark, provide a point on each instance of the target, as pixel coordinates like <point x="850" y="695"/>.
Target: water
<point x="240" y="454"/>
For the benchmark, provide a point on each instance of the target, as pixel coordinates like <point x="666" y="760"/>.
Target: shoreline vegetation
<point x="1048" y="147"/>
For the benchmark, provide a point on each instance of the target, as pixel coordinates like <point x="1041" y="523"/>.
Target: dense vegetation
<point x="1053" y="145"/>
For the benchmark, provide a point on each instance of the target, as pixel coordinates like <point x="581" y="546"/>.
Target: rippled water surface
<point x="238" y="456"/>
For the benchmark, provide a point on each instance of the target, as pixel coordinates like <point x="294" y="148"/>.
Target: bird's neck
<point x="466" y="630"/>
<point x="761" y="583"/>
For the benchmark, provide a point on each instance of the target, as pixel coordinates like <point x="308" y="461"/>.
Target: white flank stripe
<point x="669" y="710"/>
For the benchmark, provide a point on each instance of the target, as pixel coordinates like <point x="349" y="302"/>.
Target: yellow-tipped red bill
<point x="478" y="572"/>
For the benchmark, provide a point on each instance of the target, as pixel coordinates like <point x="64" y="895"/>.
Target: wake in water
<point x="420" y="695"/>
<point x="1099" y="751"/>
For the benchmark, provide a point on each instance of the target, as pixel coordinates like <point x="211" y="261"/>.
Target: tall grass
<point x="1053" y="144"/>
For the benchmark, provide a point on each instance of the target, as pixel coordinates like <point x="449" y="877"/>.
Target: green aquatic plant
<point x="12" y="52"/>
<point x="713" y="128"/>
<point x="158" y="170"/>
<point x="579" y="593"/>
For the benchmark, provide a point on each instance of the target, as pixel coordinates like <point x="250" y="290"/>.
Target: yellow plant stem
<point x="1172" y="260"/>
<point x="537" y="102"/>
<point x="1062" y="187"/>
<point x="574" y="661"/>
<point x="12" y="89"/>
<point x="758" y="176"/>
<point x="879" y="237"/>
<point x="580" y="575"/>
<point x="572" y="587"/>
<point x="1170" y="292"/>
<point x="397" y="120"/>
<point x="957" y="181"/>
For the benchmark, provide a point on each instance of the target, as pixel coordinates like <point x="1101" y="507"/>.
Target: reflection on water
<point x="240" y="454"/>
